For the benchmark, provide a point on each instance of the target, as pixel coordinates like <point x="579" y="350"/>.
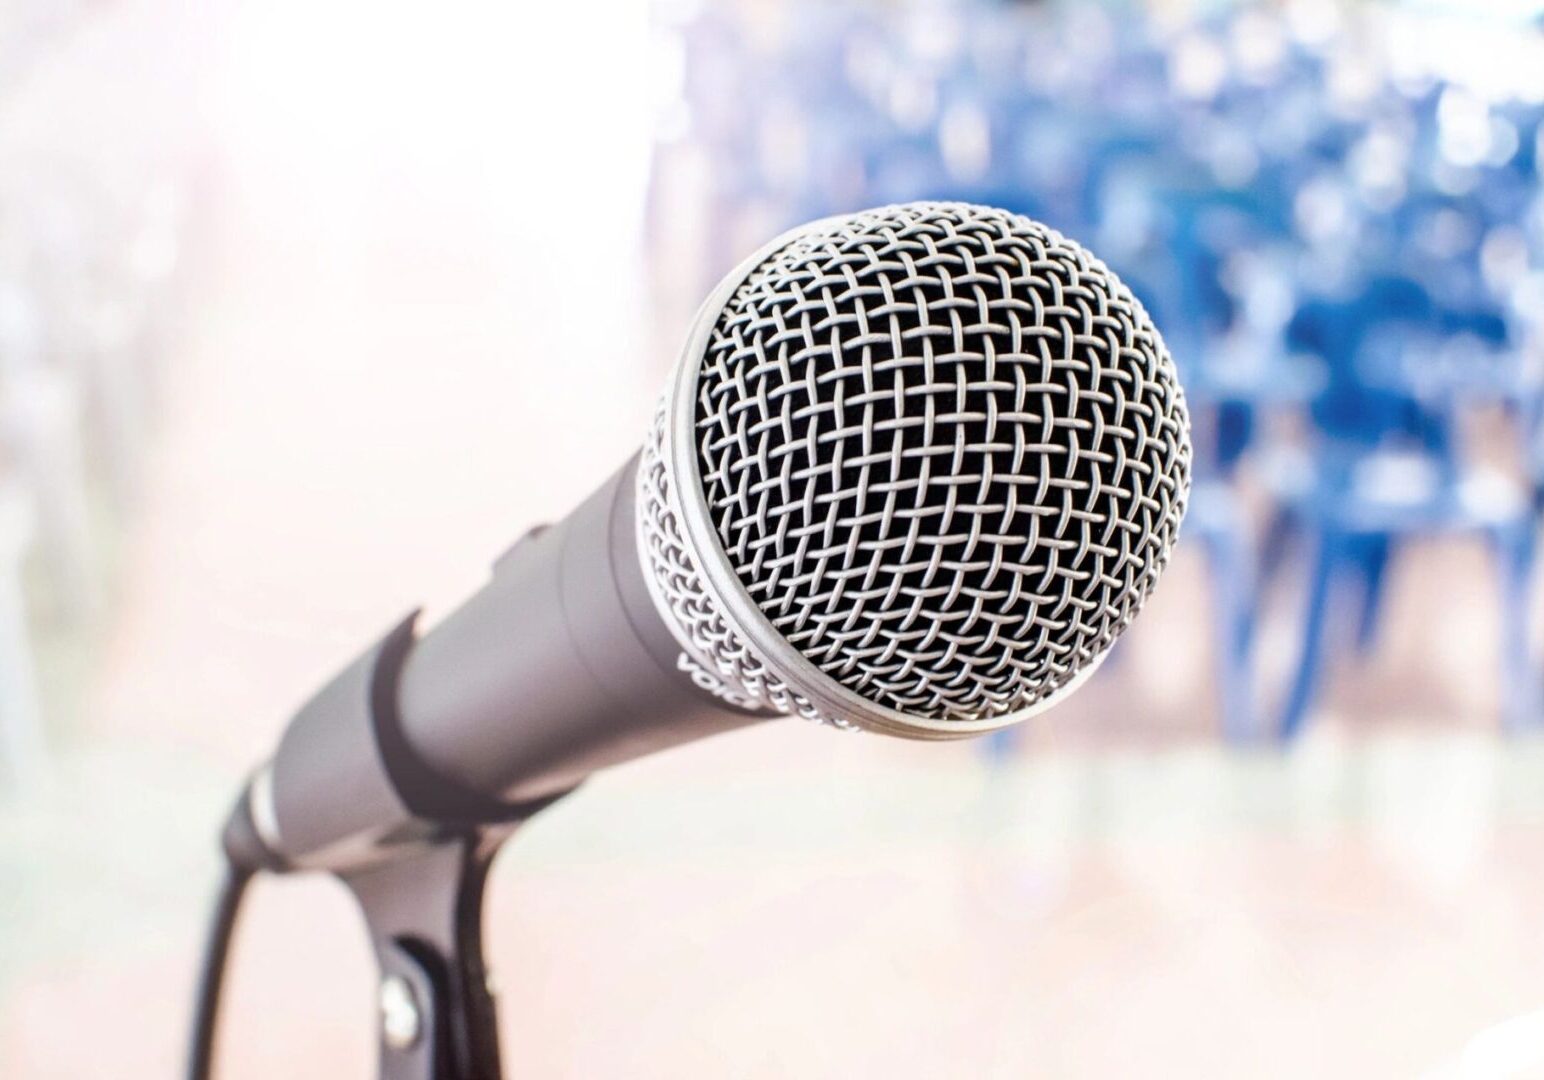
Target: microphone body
<point x="559" y="666"/>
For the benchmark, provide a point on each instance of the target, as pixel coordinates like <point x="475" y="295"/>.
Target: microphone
<point x="915" y="472"/>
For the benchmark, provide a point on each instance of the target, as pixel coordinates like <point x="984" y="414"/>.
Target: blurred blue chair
<point x="1388" y="468"/>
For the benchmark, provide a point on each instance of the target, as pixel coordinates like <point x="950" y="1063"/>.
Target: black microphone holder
<point x="424" y="911"/>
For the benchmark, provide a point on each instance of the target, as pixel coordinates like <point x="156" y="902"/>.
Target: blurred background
<point x="308" y="309"/>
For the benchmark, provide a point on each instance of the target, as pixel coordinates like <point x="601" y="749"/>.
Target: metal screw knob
<point x="401" y="1021"/>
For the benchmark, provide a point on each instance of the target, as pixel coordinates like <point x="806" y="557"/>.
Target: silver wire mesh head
<point x="917" y="470"/>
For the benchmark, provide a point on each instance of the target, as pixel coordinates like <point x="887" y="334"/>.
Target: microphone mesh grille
<point x="946" y="454"/>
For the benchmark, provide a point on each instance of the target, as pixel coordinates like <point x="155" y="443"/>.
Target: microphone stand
<point x="424" y="913"/>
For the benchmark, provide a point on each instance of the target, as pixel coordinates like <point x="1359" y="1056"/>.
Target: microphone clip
<point x="424" y="911"/>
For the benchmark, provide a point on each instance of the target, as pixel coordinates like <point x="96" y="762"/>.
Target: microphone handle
<point x="561" y="665"/>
